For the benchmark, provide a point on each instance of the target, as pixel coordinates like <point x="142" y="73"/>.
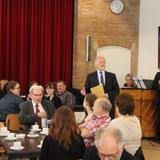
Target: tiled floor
<point x="151" y="149"/>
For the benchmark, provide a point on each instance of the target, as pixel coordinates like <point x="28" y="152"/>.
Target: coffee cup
<point x="3" y="130"/>
<point x="41" y="142"/>
<point x="20" y="136"/>
<point x="45" y="130"/>
<point x="10" y="135"/>
<point x="35" y="127"/>
<point x="17" y="144"/>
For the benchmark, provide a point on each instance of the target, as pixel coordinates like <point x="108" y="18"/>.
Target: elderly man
<point x="107" y="79"/>
<point x="66" y="97"/>
<point x="100" y="118"/>
<point x="37" y="110"/>
<point x="108" y="141"/>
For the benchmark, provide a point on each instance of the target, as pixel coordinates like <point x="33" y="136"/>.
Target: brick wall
<point x="94" y="17"/>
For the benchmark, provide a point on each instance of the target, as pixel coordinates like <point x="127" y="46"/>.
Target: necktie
<point x="39" y="119"/>
<point x="101" y="78"/>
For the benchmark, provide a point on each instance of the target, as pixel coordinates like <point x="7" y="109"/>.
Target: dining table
<point x="30" y="145"/>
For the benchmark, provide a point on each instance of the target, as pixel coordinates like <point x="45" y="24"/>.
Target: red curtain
<point x="36" y="40"/>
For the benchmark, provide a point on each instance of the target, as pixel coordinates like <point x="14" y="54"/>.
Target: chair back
<point x="12" y="122"/>
<point x="2" y="124"/>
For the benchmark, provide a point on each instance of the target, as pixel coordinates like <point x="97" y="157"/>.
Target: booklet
<point x="98" y="91"/>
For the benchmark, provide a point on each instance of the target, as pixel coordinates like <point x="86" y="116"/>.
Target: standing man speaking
<point x="107" y="79"/>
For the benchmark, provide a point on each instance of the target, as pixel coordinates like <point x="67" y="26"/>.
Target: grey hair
<point x="104" y="103"/>
<point x="36" y="87"/>
<point x="106" y="131"/>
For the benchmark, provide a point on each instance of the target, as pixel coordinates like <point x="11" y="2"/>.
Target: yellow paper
<point x="98" y="91"/>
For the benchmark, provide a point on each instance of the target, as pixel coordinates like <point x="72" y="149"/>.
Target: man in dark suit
<point x="107" y="79"/>
<point x="37" y="110"/>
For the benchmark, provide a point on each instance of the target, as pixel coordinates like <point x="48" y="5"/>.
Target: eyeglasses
<point x="37" y="95"/>
<point x="112" y="156"/>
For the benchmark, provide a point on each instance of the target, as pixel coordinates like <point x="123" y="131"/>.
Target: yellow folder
<point x="98" y="91"/>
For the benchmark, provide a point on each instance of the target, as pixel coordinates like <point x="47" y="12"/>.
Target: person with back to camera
<point x="128" y="123"/>
<point x="64" y="141"/>
<point x="88" y="103"/>
<point x="107" y="79"/>
<point x="129" y="81"/>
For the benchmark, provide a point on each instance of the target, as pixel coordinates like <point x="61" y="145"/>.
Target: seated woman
<point x="129" y="81"/>
<point x="128" y="123"/>
<point x="51" y="96"/>
<point x="88" y="103"/>
<point x="64" y="141"/>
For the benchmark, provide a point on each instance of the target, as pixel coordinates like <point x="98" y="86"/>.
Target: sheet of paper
<point x="98" y="91"/>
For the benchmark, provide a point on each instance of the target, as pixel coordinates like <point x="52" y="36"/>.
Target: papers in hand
<point x="98" y="91"/>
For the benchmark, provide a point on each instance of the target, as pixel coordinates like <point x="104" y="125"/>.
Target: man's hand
<point x="42" y="114"/>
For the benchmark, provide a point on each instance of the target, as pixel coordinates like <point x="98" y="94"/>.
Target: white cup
<point x="10" y="135"/>
<point x="45" y="130"/>
<point x="20" y="136"/>
<point x="17" y="144"/>
<point x="41" y="142"/>
<point x="35" y="126"/>
<point x="3" y="129"/>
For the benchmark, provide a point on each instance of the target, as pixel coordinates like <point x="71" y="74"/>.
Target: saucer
<point x="32" y="136"/>
<point x="10" y="139"/>
<point x="39" y="146"/>
<point x="16" y="148"/>
<point x="36" y="130"/>
<point x="45" y="133"/>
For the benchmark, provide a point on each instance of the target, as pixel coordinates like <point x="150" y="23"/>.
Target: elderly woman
<point x="127" y="122"/>
<point x="129" y="81"/>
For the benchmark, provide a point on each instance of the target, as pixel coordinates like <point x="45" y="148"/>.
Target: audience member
<point x="109" y="143"/>
<point x="66" y="97"/>
<point x="64" y="141"/>
<point x="156" y="86"/>
<point x="10" y="102"/>
<point x="88" y="103"/>
<point x="128" y="123"/>
<point x="51" y="96"/>
<point x="107" y="79"/>
<point x="30" y="85"/>
<point x="37" y="110"/>
<point x="100" y="118"/>
<point x="3" y="87"/>
<point x="129" y="81"/>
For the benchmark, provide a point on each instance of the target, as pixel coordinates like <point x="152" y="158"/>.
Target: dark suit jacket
<point x="27" y="116"/>
<point x="111" y="85"/>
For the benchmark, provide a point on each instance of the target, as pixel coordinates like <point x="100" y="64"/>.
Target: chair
<point x="2" y="151"/>
<point x="12" y="122"/>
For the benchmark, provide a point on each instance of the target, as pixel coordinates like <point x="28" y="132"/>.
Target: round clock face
<point x="116" y="6"/>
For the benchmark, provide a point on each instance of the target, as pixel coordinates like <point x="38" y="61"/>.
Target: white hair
<point x="36" y="87"/>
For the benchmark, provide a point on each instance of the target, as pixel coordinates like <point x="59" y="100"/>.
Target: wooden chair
<point x="2" y="150"/>
<point x="12" y="122"/>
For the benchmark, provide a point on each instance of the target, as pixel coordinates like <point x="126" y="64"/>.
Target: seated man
<point x="37" y="110"/>
<point x="100" y="118"/>
<point x="66" y="97"/>
<point x="10" y="102"/>
<point x="109" y="144"/>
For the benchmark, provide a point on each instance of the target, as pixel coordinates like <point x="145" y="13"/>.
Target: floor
<point x="151" y="149"/>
